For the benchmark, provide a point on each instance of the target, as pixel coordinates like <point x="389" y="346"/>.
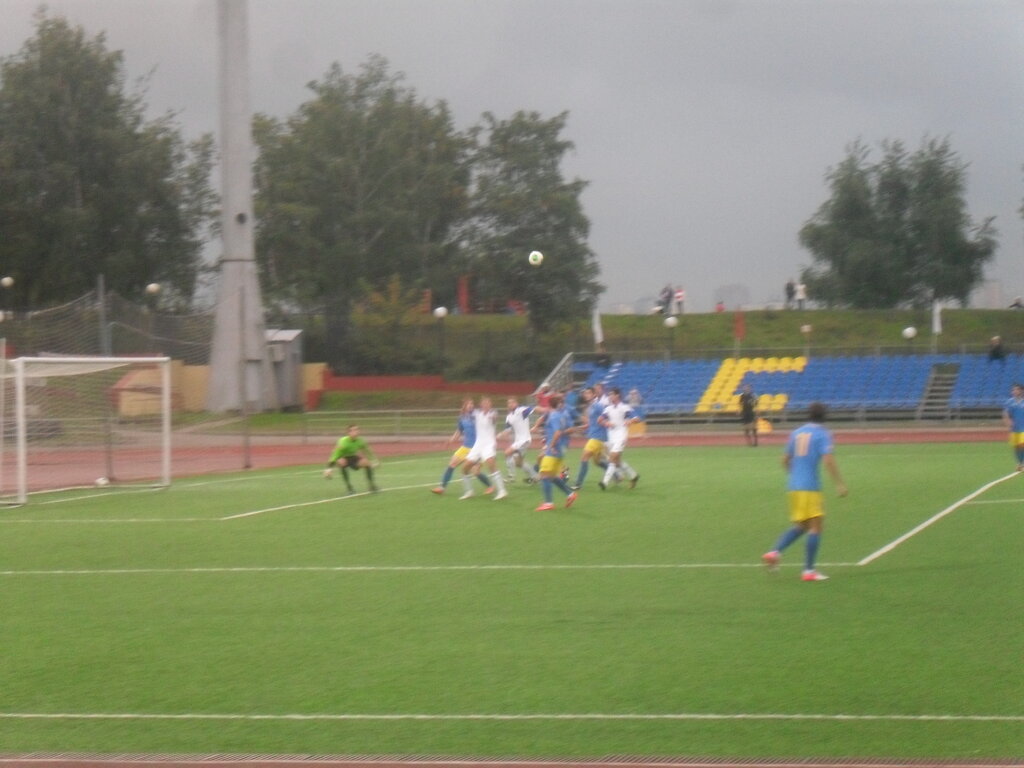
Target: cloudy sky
<point x="704" y="127"/>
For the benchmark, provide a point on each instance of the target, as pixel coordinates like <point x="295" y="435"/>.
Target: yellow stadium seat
<point x="785" y="364"/>
<point x="764" y="402"/>
<point x="757" y="364"/>
<point x="799" y="363"/>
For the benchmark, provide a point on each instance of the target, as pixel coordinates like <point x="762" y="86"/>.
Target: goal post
<point x="73" y="422"/>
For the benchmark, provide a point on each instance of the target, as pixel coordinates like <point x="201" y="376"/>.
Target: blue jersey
<point x="1015" y="410"/>
<point x="560" y="420"/>
<point x="805" y="449"/>
<point x="467" y="426"/>
<point x="596" y="430"/>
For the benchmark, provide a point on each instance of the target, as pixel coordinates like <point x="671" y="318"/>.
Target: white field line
<point x="285" y="507"/>
<point x="188" y="485"/>
<point x="996" y="501"/>
<point x="394" y="569"/>
<point x="933" y="519"/>
<point x="508" y="717"/>
<point x="106" y="521"/>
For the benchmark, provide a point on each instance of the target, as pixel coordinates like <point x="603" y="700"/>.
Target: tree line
<point x="369" y="198"/>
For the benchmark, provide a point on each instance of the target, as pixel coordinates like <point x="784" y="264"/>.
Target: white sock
<point x="498" y="480"/>
<point x="467" y="483"/>
<point x="609" y="473"/>
<point x="630" y="472"/>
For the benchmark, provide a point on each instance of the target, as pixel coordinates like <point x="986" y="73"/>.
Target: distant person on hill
<point x="790" y="293"/>
<point x="1013" y="418"/>
<point x="680" y="298"/>
<point x="996" y="351"/>
<point x="801" y="295"/>
<point x="665" y="299"/>
<point x="720" y="306"/>
<point x="353" y="452"/>
<point x="1018" y="303"/>
<point x="808" y="448"/>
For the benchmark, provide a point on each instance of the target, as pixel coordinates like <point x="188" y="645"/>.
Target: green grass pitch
<point x="264" y="613"/>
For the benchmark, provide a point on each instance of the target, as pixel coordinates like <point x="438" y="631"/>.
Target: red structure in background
<point x="332" y="383"/>
<point x="462" y="295"/>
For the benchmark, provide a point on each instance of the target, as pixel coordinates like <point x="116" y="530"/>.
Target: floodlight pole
<point x="238" y="276"/>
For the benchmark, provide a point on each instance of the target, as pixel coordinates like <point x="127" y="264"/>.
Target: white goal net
<point x="71" y="422"/>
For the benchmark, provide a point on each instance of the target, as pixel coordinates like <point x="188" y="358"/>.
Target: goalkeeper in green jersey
<point x="353" y="452"/>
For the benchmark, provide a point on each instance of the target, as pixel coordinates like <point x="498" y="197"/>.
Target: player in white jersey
<point x="616" y="418"/>
<point x="518" y="421"/>
<point x="484" y="450"/>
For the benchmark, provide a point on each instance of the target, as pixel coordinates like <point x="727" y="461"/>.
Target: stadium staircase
<point x="939" y="391"/>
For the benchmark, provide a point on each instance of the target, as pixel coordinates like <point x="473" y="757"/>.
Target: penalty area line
<point x="300" y="505"/>
<point x="934" y="519"/>
<point x="677" y="716"/>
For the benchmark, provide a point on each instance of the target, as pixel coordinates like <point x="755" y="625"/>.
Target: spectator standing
<point x="790" y="293"/>
<point x="748" y="414"/>
<point x="800" y="294"/>
<point x="996" y="351"/>
<point x="543" y="395"/>
<point x="665" y="299"/>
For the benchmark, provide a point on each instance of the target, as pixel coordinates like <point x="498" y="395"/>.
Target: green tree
<point x="896" y="232"/>
<point x="364" y="182"/>
<point x="89" y="186"/>
<point x="522" y="203"/>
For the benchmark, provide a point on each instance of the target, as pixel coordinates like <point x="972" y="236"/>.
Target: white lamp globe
<point x="440" y="312"/>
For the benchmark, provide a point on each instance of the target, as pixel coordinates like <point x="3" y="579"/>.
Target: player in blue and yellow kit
<point x="596" y="435"/>
<point x="808" y="448"/>
<point x="1013" y="418"/>
<point x="558" y="427"/>
<point x="465" y="428"/>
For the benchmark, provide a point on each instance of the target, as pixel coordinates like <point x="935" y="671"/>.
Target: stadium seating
<point x="876" y="383"/>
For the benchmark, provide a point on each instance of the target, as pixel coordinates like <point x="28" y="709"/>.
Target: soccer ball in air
<point x="909" y="332"/>
<point x="536" y="258"/>
<point x="102" y="482"/>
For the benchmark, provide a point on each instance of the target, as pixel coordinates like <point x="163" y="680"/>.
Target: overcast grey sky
<point x="705" y="127"/>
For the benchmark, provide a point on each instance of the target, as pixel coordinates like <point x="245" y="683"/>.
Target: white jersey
<point x="616" y="416"/>
<point x="486" y="445"/>
<point x="518" y="421"/>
